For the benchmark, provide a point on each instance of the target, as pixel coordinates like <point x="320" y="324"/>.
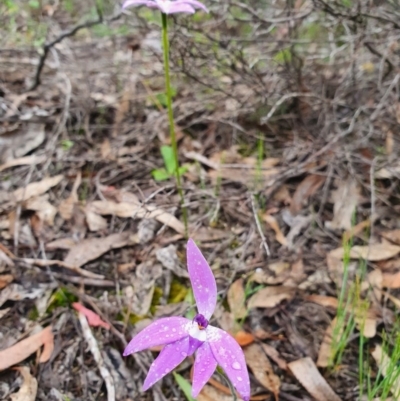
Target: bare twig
<point x="66" y="34"/>
<point x="259" y="228"/>
<point x="94" y="349"/>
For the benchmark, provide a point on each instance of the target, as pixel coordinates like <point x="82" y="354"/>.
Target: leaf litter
<point x="87" y="224"/>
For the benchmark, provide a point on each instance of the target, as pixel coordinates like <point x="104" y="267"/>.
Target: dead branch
<point x="66" y="34"/>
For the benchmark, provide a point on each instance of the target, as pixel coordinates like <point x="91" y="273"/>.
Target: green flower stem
<point x="171" y="117"/>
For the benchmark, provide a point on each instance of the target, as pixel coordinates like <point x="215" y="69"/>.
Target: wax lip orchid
<point x="168" y="6"/>
<point x="182" y="337"/>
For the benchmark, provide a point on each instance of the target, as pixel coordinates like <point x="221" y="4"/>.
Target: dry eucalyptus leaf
<point x="92" y="248"/>
<point x="272" y="353"/>
<point x="94" y="221"/>
<point x="28" y="389"/>
<point x="308" y="375"/>
<point x="45" y="211"/>
<point x="262" y="369"/>
<point x="21" y="350"/>
<point x="23" y="161"/>
<point x="392" y="236"/>
<point x="35" y="188"/>
<point x="236" y="299"/>
<point x="372" y="253"/>
<point x="16" y="292"/>
<point x="391" y="280"/>
<point x="210" y="393"/>
<point x="66" y="206"/>
<point x="137" y="210"/>
<point x="345" y="199"/>
<point x="385" y="364"/>
<point x="273" y="223"/>
<point x="308" y="187"/>
<point x="270" y="297"/>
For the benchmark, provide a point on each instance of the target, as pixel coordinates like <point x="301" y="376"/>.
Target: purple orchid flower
<point x="182" y="337"/>
<point x="168" y="6"/>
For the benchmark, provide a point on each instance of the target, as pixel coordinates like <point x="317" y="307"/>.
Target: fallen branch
<point x="48" y="46"/>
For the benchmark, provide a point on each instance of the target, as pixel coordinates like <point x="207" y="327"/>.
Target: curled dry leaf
<point x="92" y="317"/>
<point x="391" y="280"/>
<point x="28" y="389"/>
<point x="270" y="297"/>
<point x="345" y="199"/>
<point x="323" y="300"/>
<point x="210" y="393"/>
<point x="136" y="210"/>
<point x="273" y="223"/>
<point x="16" y="292"/>
<point x="308" y="187"/>
<point x="45" y="211"/>
<point x="92" y="248"/>
<point x="243" y="338"/>
<point x="392" y="236"/>
<point x="386" y="365"/>
<point x="272" y="353"/>
<point x="307" y="374"/>
<point x="373" y="253"/>
<point x="66" y="206"/>
<point x="262" y="369"/>
<point x="21" y="350"/>
<point x="236" y="299"/>
<point x="35" y="188"/>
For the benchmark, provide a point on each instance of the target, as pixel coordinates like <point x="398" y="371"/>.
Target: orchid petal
<point x="230" y="357"/>
<point x="194" y="344"/>
<point x="195" y="4"/>
<point x="202" y="279"/>
<point x="134" y="3"/>
<point x="163" y="331"/>
<point x="204" y="367"/>
<point x="168" y="359"/>
<point x="180" y="7"/>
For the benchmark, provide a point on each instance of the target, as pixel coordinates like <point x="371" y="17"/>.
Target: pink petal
<point x="168" y="359"/>
<point x="163" y="331"/>
<point x="195" y="4"/>
<point x="202" y="279"/>
<point x="230" y="357"/>
<point x="204" y="367"/>
<point x="178" y="7"/>
<point x="133" y="3"/>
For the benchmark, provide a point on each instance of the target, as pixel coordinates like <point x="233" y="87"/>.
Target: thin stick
<point x="259" y="228"/>
<point x="228" y="382"/>
<point x="94" y="349"/>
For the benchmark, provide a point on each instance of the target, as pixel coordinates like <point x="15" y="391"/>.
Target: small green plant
<point x="66" y="144"/>
<point x="184" y="385"/>
<point x="162" y="174"/>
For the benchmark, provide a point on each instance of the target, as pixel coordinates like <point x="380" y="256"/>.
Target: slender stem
<point x="228" y="382"/>
<point x="171" y="117"/>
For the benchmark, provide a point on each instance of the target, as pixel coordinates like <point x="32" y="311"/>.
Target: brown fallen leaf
<point x="262" y="369"/>
<point x="35" y="188"/>
<point x="272" y="353"/>
<point x="391" y="280"/>
<point x="307" y="188"/>
<point x="273" y="223"/>
<point x="66" y="206"/>
<point x="345" y="199"/>
<point x="356" y="230"/>
<point x="28" y="389"/>
<point x="386" y="366"/>
<point x="323" y="300"/>
<point x="21" y="350"/>
<point x="23" y="161"/>
<point x="270" y="297"/>
<point x="92" y="248"/>
<point x="5" y="279"/>
<point x="136" y="210"/>
<point x="373" y="253"/>
<point x="307" y="374"/>
<point x="392" y="236"/>
<point x="45" y="211"/>
<point x="236" y="299"/>
<point x="211" y="393"/>
<point x="325" y="353"/>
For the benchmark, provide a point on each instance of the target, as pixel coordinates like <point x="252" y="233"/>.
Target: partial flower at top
<point x="182" y="337"/>
<point x="168" y="6"/>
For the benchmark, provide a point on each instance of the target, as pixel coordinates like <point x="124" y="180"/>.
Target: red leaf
<point x="92" y="318"/>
